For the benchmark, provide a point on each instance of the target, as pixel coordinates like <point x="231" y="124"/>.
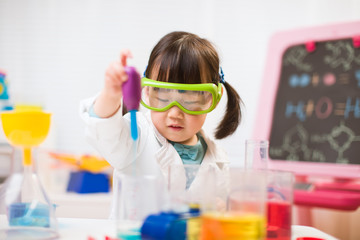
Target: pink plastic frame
<point x="277" y="45"/>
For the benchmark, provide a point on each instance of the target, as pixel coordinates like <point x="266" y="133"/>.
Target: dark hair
<point x="183" y="57"/>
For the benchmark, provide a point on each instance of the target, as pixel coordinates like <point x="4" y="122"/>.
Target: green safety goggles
<point x="193" y="99"/>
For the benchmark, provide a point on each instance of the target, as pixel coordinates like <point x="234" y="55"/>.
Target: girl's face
<point x="177" y="126"/>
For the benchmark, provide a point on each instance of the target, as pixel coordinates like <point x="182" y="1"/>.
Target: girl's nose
<point x="175" y="112"/>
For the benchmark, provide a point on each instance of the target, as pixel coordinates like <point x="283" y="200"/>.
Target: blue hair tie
<point x="145" y="71"/>
<point x="221" y="74"/>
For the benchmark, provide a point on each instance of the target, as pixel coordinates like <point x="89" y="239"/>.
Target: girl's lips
<point x="175" y="127"/>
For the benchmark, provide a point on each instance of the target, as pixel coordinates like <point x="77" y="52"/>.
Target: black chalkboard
<point x="317" y="108"/>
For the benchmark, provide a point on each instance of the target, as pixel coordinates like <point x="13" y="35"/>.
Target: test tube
<point x="256" y="154"/>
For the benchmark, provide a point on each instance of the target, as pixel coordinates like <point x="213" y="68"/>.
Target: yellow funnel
<point x="26" y="129"/>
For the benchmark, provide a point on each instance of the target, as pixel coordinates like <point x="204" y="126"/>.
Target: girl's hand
<point x="115" y="76"/>
<point x="109" y="100"/>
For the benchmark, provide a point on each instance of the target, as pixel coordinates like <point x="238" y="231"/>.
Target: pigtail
<point x="232" y="117"/>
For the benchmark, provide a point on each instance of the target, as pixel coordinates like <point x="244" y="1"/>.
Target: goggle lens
<point x="158" y="98"/>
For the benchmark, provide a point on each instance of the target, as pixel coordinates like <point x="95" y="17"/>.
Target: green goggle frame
<point x="215" y="90"/>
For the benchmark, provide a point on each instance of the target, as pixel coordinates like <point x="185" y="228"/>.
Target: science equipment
<point x="30" y="212"/>
<point x="280" y="186"/>
<point x="137" y="197"/>
<point x="245" y="215"/>
<point x="193" y="188"/>
<point x="190" y="98"/>
<point x="131" y="97"/>
<point x="231" y="226"/>
<point x="170" y="225"/>
<point x="134" y="196"/>
<point x="186" y="189"/>
<point x="131" y="100"/>
<point x="256" y="154"/>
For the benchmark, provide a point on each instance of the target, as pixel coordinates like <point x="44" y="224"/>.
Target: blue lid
<point x="156" y="226"/>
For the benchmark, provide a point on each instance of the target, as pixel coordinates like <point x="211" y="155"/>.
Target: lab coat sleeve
<point x="111" y="136"/>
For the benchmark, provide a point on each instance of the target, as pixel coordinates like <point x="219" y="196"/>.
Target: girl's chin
<point x="177" y="140"/>
<point x="181" y="141"/>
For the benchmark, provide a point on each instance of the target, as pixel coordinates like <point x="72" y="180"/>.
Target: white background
<point x="55" y="52"/>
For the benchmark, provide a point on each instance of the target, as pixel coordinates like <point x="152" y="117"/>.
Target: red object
<point x="341" y="200"/>
<point x="279" y="220"/>
<point x="356" y="41"/>
<point x="310" y="46"/>
<point x="346" y="185"/>
<point x="309" y="238"/>
<point x="110" y="238"/>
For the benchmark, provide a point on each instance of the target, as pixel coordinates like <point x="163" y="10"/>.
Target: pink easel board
<point x="309" y="106"/>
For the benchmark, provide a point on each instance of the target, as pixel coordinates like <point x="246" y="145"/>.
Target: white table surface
<point x="98" y="229"/>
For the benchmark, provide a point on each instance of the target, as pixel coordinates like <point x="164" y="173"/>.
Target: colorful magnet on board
<point x="310" y="46"/>
<point x="356" y="41"/>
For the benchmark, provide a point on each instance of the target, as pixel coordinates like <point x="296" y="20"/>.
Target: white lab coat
<point x="154" y="154"/>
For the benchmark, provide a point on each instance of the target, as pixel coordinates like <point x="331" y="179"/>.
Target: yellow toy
<point x="85" y="162"/>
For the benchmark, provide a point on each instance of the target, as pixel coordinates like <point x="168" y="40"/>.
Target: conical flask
<point x="29" y="212"/>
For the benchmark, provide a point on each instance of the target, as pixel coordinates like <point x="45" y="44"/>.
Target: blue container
<point x="29" y="215"/>
<point x="167" y="225"/>
<point x="87" y="182"/>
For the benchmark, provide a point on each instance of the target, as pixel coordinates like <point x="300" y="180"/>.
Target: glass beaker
<point x="187" y="190"/>
<point x="279" y="204"/>
<point x="137" y="197"/>
<point x="196" y="188"/>
<point x="245" y="216"/>
<point x="256" y="154"/>
<point x="30" y="213"/>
